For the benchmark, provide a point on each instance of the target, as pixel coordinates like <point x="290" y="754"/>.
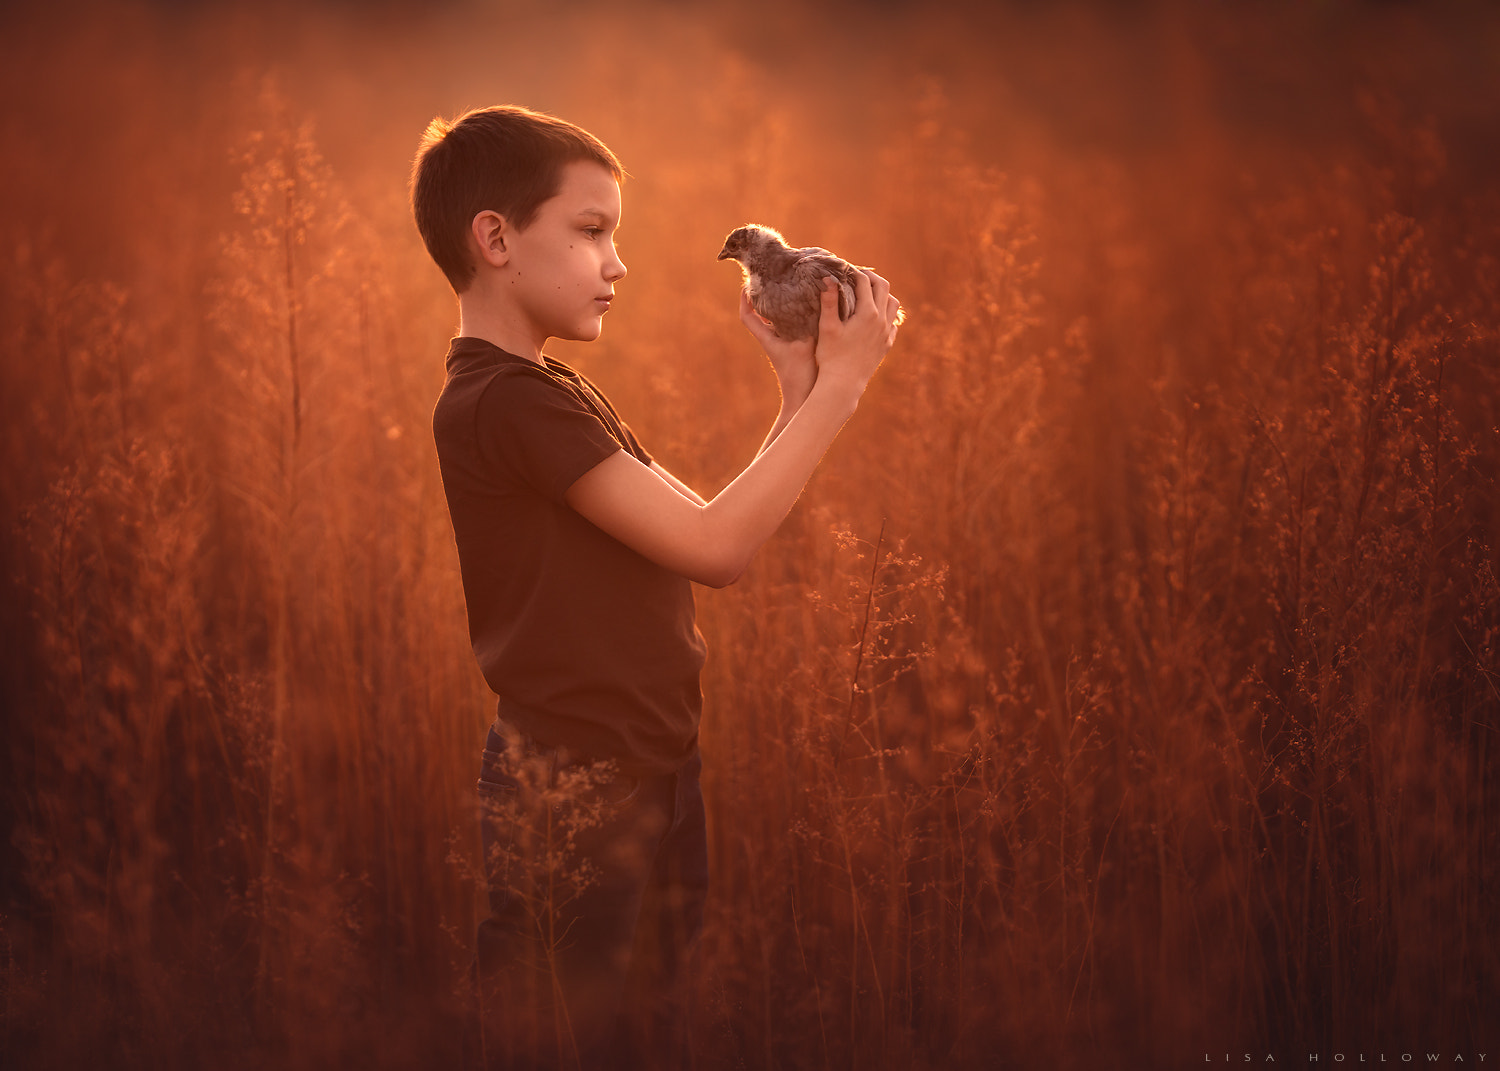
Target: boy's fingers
<point x="762" y="331"/>
<point x="829" y="296"/>
<point x="747" y="315"/>
<point x="862" y="288"/>
<point x="750" y="318"/>
<point x="893" y="308"/>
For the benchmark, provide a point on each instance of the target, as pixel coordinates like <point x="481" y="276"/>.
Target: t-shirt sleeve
<point x="541" y="433"/>
<point x="641" y="453"/>
<point x="631" y="442"/>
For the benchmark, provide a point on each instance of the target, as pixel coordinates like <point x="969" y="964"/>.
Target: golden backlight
<point x="1122" y="691"/>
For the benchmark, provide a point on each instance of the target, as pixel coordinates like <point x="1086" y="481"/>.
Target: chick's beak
<point x="725" y="254"/>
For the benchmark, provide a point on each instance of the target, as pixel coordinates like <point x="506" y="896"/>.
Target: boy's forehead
<point x="588" y="188"/>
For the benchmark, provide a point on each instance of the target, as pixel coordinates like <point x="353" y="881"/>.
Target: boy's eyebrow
<point x="596" y="213"/>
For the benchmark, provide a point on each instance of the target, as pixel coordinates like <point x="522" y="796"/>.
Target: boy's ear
<point x="491" y="233"/>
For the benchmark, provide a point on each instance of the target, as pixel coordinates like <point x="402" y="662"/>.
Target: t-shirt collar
<point x="467" y="354"/>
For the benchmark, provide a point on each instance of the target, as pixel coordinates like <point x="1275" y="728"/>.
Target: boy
<point x="577" y="548"/>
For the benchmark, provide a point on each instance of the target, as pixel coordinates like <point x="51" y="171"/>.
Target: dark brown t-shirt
<point x="587" y="644"/>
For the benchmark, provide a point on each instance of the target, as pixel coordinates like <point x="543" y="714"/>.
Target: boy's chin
<point x="587" y="331"/>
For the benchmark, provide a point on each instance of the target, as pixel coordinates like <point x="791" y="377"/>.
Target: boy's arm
<point x="796" y="371"/>
<point x="794" y="362"/>
<point x="712" y="542"/>
<point x="682" y="488"/>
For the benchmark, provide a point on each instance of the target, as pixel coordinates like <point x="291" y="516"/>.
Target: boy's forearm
<point x="746" y="513"/>
<point x="711" y="543"/>
<point x="793" y="393"/>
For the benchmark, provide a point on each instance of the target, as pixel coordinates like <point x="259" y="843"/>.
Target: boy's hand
<point x="850" y="350"/>
<point x="793" y="361"/>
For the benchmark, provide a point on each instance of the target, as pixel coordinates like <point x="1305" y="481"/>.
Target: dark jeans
<point x="597" y="882"/>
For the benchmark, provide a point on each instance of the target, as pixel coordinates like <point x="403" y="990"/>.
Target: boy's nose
<point x="614" y="268"/>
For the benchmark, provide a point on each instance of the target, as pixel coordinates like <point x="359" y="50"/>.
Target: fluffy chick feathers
<point x="784" y="284"/>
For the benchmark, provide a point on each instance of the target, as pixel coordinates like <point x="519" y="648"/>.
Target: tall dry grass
<point x="1124" y="688"/>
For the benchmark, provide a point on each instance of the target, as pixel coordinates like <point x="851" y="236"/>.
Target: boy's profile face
<point x="562" y="268"/>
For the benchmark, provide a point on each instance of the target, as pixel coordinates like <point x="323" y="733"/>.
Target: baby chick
<point x="784" y="283"/>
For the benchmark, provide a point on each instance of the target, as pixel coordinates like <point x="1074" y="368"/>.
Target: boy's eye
<point x="593" y="232"/>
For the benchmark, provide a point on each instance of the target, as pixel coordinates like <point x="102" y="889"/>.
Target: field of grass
<point x="1124" y="688"/>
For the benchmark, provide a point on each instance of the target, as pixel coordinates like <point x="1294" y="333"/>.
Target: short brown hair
<point x="505" y="159"/>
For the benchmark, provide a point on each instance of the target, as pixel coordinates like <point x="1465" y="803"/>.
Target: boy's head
<point x="504" y="159"/>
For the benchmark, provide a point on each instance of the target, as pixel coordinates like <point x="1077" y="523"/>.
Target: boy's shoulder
<point x="540" y="424"/>
<point x="475" y="359"/>
<point x="481" y="374"/>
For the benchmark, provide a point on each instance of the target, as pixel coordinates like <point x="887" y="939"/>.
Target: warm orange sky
<point x="122" y="106"/>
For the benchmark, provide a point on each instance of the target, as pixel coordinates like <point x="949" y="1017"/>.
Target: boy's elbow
<point x="720" y="575"/>
<point x="721" y="556"/>
<point x="724" y="578"/>
<point x="722" y="570"/>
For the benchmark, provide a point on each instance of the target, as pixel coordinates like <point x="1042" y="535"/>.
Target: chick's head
<point x="745" y="242"/>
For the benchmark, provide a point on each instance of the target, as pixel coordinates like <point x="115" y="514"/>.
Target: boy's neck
<point x="479" y="316"/>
